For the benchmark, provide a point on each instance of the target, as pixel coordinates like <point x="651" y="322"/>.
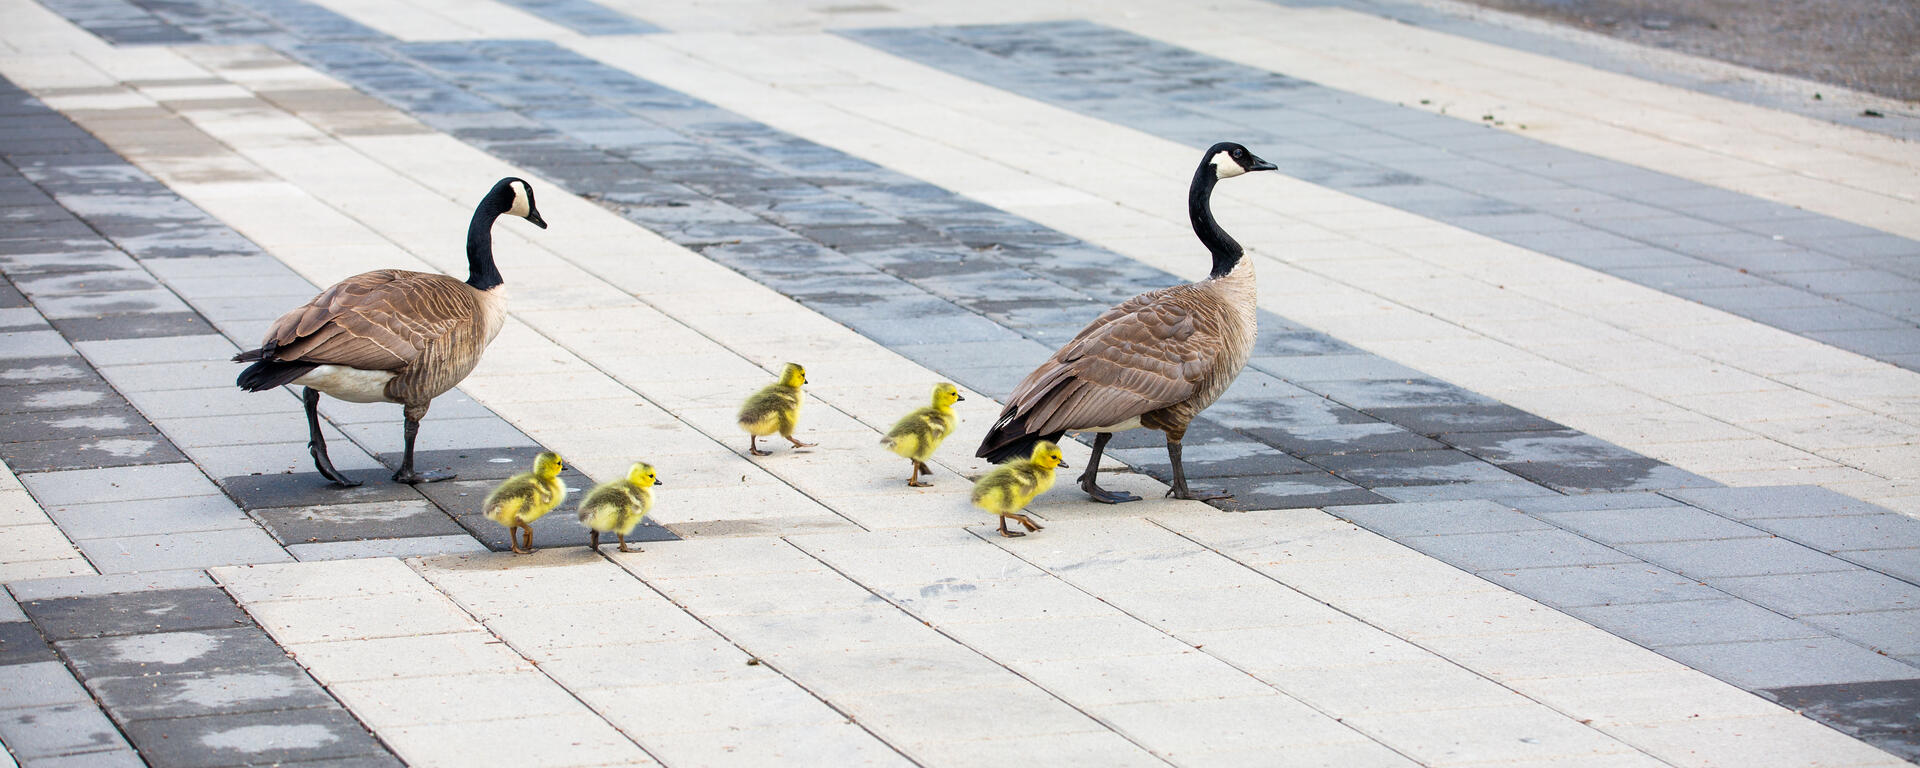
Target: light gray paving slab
<point x="1615" y="584"/>
<point x="21" y="345"/>
<point x="1716" y="558"/>
<point x="1776" y="501"/>
<point x="58" y="730"/>
<point x="1900" y="563"/>
<point x="113" y="484"/>
<point x="126" y="758"/>
<point x="414" y="546"/>
<point x="1519" y="549"/>
<point x="1808" y="594"/>
<point x="1439" y="517"/>
<point x="1633" y="526"/>
<point x="173" y="551"/>
<point x="106" y="584"/>
<point x="181" y="514"/>
<point x="1780" y="663"/>
<point x="164" y="349"/>
<point x="1894" y="633"/>
<point x="40" y="684"/>
<point x="1693" y="622"/>
<point x="1842" y="534"/>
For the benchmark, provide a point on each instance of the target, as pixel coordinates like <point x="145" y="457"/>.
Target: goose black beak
<point x="534" y="216"/>
<point x="1262" y="165"/>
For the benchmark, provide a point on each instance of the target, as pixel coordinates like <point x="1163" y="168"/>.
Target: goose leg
<point x="1179" y="489"/>
<point x="1088" y="478"/>
<point x="406" y="473"/>
<point x="317" y="442"/>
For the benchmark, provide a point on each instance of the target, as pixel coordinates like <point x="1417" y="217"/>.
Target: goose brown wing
<point x="1146" y="354"/>
<point x="378" y="321"/>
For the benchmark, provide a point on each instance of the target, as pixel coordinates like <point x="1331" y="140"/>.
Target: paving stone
<point x="1720" y="558"/>
<point x="1445" y="517"/>
<point x="58" y="730"/>
<point x="1805" y="594"/>
<point x="474" y="462"/>
<point x="1893" y="633"/>
<point x="1880" y="712"/>
<point x="415" y="546"/>
<point x="209" y="692"/>
<point x="1671" y="623"/>
<point x="159" y="481"/>
<point x="30" y="344"/>
<point x="1375" y="396"/>
<point x="1411" y="468"/>
<point x="1210" y="460"/>
<point x="1294" y="492"/>
<point x="1785" y="663"/>
<point x="1515" y="549"/>
<point x="1548" y="505"/>
<point x="1634" y="526"/>
<point x="1433" y="421"/>
<point x="108" y="421"/>
<point x="251" y="739"/>
<point x="45" y="370"/>
<point x="88" y="585"/>
<point x="348" y="522"/>
<point x="134" y="613"/>
<point x="39" y="684"/>
<point x="20" y="643"/>
<point x="148" y="516"/>
<point x="1324" y="439"/>
<point x="172" y="653"/>
<point x="309" y="488"/>
<point x="1775" y="501"/>
<point x="57" y="397"/>
<point x="1613" y="584"/>
<point x="1839" y="534"/>
<point x="135" y="326"/>
<point x="148" y="448"/>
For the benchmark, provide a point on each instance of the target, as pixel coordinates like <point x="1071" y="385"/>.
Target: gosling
<point x="1010" y="487"/>
<point x="775" y="408"/>
<point x="526" y="497"/>
<point x="917" y="435"/>
<point x="618" y="506"/>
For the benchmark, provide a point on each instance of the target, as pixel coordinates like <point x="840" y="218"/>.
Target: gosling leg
<point x="753" y="446"/>
<point x="1088" y="479"/>
<point x="317" y="442"/>
<point x="593" y="540"/>
<point x="1028" y="522"/>
<point x="623" y="543"/>
<point x="796" y="442"/>
<point x="1007" y="533"/>
<point x="915" y="479"/>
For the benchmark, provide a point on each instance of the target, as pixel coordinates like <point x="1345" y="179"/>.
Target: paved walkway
<point x="1584" y="427"/>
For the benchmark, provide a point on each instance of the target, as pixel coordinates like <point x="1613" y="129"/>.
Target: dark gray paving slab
<point x="350" y="522"/>
<point x="90" y="453"/>
<point x="260" y="688"/>
<point x="1884" y="713"/>
<point x="1412" y="468"/>
<point x="20" y="643"/>
<point x="134" y="613"/>
<point x="265" y="738"/>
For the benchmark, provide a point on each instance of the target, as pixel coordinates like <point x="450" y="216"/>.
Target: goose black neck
<point x="481" y="272"/>
<point x="1226" y="252"/>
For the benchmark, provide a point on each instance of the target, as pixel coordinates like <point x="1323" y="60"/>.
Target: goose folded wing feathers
<point x="378" y="321"/>
<point x="1145" y="356"/>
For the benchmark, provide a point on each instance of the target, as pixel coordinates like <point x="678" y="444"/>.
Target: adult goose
<point x="1154" y="361"/>
<point x="392" y="336"/>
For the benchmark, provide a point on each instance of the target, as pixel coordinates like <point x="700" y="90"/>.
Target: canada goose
<point x="918" y="434"/>
<point x="775" y="408"/>
<point x="392" y="336"/>
<point x="519" y="500"/>
<point x="1010" y="487"/>
<point x="1154" y="361"/>
<point x="619" y="505"/>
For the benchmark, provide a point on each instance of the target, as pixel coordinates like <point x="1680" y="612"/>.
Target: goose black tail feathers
<point x="266" y="374"/>
<point x="1017" y="448"/>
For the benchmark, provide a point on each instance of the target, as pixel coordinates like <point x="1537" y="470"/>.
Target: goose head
<point x="641" y="475"/>
<point x="1229" y="160"/>
<point x="514" y="196"/>
<point x="547" y="465"/>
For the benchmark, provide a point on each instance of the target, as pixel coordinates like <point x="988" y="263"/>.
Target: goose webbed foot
<point x="325" y="464"/>
<point x="411" y="477"/>
<point x="1105" y="496"/>
<point x="1189" y="494"/>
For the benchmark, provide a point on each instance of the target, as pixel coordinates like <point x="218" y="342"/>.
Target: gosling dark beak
<point x="658" y="481"/>
<point x="1065" y="465"/>
<point x="958" y="398"/>
<point x="534" y="216"/>
<point x="1262" y="165"/>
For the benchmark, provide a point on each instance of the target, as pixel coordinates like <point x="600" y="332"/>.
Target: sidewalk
<point x="1584" y="427"/>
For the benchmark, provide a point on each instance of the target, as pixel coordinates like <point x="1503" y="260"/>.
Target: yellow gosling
<point x="526" y="497"/>
<point x="775" y="408"/>
<point x="918" y="434"/>
<point x="616" y="507"/>
<point x="1010" y="487"/>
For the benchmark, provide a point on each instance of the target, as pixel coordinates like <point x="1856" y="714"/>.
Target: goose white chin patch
<point x="1224" y="167"/>
<point x="520" y="197"/>
<point x="350" y="384"/>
